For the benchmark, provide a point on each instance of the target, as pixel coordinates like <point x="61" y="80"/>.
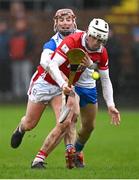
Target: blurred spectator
<point x="21" y="49"/>
<point x="5" y="66"/>
<point x="115" y="53"/>
<point x="17" y="9"/>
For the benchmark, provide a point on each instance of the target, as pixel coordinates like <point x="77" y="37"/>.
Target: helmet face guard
<point x="59" y="14"/>
<point x="99" y="28"/>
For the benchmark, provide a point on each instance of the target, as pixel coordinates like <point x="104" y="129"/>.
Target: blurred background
<point x="34" y="19"/>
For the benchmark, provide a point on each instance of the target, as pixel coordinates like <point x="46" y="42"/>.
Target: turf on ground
<point x="110" y="153"/>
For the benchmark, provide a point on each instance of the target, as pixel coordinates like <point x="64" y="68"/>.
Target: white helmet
<point x="99" y="28"/>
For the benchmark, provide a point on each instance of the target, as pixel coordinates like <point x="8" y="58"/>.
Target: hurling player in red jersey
<point x="92" y="42"/>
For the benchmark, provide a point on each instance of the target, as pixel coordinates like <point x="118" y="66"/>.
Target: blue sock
<point x="79" y="146"/>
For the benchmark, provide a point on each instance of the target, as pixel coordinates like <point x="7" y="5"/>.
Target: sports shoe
<point x="16" y="138"/>
<point x="79" y="160"/>
<point x="38" y="165"/>
<point x="69" y="156"/>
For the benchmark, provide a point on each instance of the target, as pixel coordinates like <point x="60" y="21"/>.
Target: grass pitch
<point x="111" y="152"/>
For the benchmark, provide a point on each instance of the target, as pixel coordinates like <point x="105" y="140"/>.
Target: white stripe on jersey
<point x="59" y="59"/>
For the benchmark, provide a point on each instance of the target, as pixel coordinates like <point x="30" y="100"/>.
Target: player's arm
<point x="107" y="87"/>
<point x="54" y="70"/>
<point x="108" y="96"/>
<point x="48" y="50"/>
<point x="46" y="58"/>
<point x="105" y="79"/>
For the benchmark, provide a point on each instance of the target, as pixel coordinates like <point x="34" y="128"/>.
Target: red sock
<point x="40" y="157"/>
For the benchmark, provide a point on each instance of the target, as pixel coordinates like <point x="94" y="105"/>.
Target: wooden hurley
<point x="75" y="57"/>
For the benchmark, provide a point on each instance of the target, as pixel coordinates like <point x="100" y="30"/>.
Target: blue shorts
<point x="87" y="95"/>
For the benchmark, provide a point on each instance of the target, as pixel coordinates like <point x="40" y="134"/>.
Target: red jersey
<point x="77" y="40"/>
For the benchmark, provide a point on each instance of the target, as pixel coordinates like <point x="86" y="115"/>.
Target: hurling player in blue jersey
<point x="42" y="91"/>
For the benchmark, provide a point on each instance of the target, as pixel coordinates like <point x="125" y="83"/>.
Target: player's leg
<point x="38" y="161"/>
<point x="28" y="122"/>
<point x="51" y="141"/>
<point x="69" y="140"/>
<point x="88" y="118"/>
<point x="40" y="93"/>
<point x="88" y="104"/>
<point x="55" y="136"/>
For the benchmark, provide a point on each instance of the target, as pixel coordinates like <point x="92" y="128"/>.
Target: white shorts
<point x="42" y="91"/>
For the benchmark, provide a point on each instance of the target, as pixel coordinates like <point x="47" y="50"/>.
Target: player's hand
<point x="86" y="61"/>
<point x="67" y="90"/>
<point x="115" y="115"/>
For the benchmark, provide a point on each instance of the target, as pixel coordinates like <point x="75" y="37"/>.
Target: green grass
<point x="111" y="152"/>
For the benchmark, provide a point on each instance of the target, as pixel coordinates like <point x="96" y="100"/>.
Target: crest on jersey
<point x="65" y="48"/>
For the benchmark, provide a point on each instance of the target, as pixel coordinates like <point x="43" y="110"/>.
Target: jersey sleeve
<point x="50" y="45"/>
<point x="107" y="88"/>
<point x="48" y="49"/>
<point x="103" y="64"/>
